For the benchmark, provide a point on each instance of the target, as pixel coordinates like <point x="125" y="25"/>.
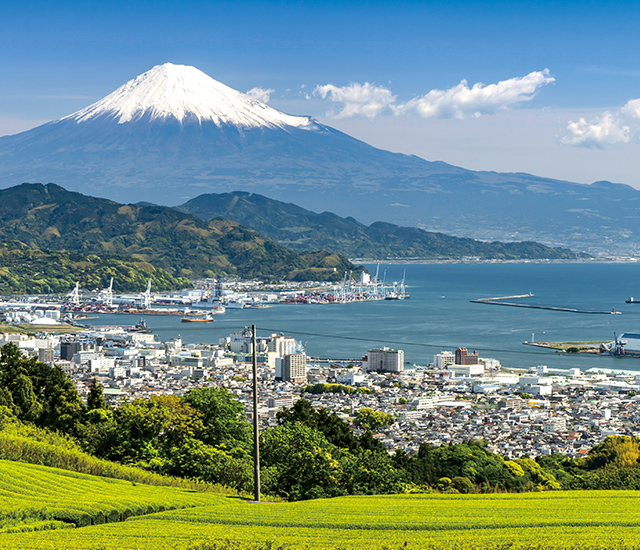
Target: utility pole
<point x="256" y="430"/>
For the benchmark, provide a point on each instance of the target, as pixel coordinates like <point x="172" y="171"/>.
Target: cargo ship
<point x="206" y="319"/>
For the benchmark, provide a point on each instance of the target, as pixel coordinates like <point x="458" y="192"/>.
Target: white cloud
<point x="260" y="94"/>
<point x="365" y="99"/>
<point x="458" y="102"/>
<point x="463" y="102"/>
<point x="632" y="108"/>
<point x="605" y="130"/>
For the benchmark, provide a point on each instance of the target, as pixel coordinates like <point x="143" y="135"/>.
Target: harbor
<point x="438" y="315"/>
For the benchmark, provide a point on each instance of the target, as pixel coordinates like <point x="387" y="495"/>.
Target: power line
<point x="380" y="340"/>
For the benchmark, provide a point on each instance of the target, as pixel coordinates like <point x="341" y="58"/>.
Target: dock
<point x="150" y="312"/>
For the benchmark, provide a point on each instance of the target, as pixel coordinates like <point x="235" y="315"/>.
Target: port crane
<point x="375" y="281"/>
<point x="618" y="348"/>
<point x="108" y="294"/>
<point x="147" y="295"/>
<point x="75" y="294"/>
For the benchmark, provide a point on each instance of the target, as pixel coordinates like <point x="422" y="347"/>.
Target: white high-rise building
<point x="384" y="360"/>
<point x="281" y="345"/>
<point x="444" y="358"/>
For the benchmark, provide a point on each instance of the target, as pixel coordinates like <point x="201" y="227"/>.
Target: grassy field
<point x="35" y="329"/>
<point x="10" y="329"/>
<point x="34" y="497"/>
<point x="571" y="347"/>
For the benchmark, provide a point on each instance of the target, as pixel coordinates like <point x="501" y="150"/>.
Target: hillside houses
<point x="516" y="413"/>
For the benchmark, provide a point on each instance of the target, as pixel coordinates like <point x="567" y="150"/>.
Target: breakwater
<point x="499" y="301"/>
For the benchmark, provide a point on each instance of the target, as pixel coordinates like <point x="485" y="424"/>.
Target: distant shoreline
<point x="487" y="261"/>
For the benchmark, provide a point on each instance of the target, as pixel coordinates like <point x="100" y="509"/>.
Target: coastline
<point x="427" y="261"/>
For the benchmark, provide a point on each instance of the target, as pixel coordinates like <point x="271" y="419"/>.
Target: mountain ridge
<point x="135" y="153"/>
<point x="301" y="229"/>
<point x="49" y="217"/>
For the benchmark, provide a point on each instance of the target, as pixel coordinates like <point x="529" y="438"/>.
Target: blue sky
<point x="390" y="74"/>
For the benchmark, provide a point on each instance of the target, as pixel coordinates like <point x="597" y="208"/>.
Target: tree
<point x="336" y="430"/>
<point x="6" y="399"/>
<point x="38" y="392"/>
<point x="299" y="463"/>
<point x="463" y="485"/>
<point x="25" y="401"/>
<point x="18" y="392"/>
<point x="370" y="443"/>
<point x="99" y="433"/>
<point x="368" y="472"/>
<point x="62" y="408"/>
<point x="95" y="399"/>
<point x="473" y="461"/>
<point x="193" y="458"/>
<point x="538" y="477"/>
<point x="147" y="430"/>
<point x="372" y="420"/>
<point x="302" y="411"/>
<point x="223" y="418"/>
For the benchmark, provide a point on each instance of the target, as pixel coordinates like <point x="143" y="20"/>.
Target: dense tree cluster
<point x="319" y="388"/>
<point x="311" y="453"/>
<point x="38" y="393"/>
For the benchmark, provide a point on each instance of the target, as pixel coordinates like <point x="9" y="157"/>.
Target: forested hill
<point x="48" y="217"/>
<point x="33" y="271"/>
<point x="301" y="229"/>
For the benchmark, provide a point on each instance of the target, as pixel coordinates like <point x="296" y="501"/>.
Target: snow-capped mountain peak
<point x="185" y="94"/>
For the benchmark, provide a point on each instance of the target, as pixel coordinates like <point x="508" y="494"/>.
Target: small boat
<point x="141" y="327"/>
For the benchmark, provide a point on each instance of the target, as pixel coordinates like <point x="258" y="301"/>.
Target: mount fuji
<point x="174" y="133"/>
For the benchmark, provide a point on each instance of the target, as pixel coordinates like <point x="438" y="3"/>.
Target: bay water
<point x="440" y="315"/>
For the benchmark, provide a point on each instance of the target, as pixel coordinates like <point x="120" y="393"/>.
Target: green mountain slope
<point x="49" y="217"/>
<point x="301" y="229"/>
<point x="34" y="271"/>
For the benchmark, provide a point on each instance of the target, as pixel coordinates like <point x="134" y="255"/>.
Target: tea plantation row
<point x="36" y="497"/>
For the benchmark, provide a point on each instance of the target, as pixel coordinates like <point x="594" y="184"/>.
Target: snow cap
<point x="185" y="94"/>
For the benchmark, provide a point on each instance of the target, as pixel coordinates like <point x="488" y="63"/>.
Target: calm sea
<point x="439" y="316"/>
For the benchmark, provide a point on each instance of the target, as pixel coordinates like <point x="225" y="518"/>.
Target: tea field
<point x="35" y="497"/>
